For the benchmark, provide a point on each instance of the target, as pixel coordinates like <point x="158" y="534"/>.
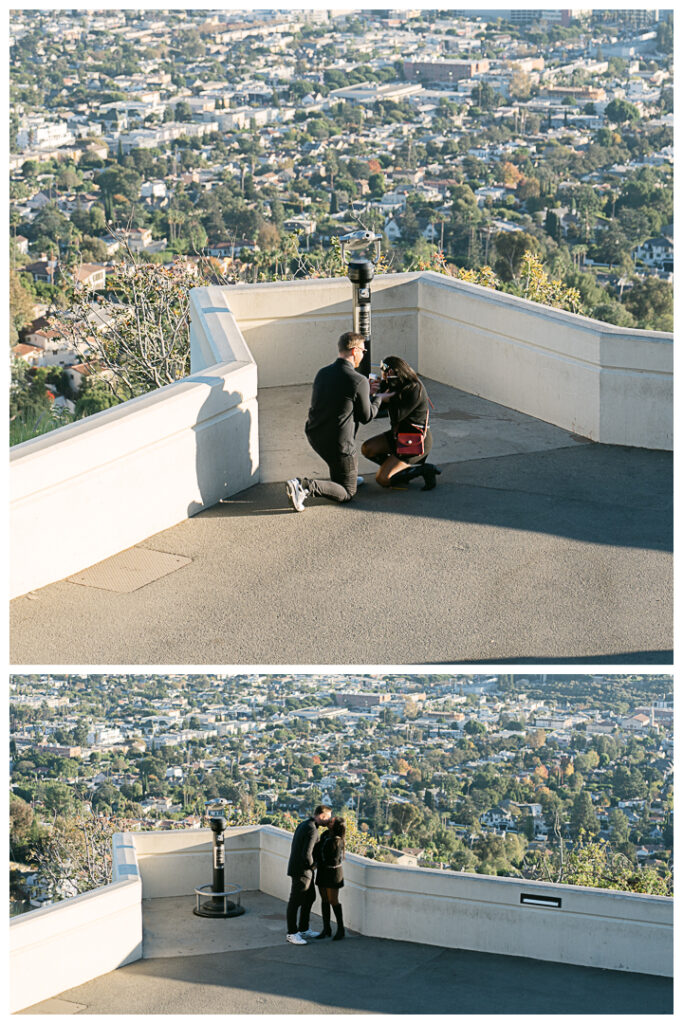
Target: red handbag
<point x="409" y="443"/>
<point x="412" y="442"/>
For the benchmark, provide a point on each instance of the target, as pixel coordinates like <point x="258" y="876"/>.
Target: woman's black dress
<point x="329" y="856"/>
<point x="409" y="408"/>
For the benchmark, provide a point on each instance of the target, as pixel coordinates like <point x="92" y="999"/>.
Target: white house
<point x="392" y="230"/>
<point x="656" y="252"/>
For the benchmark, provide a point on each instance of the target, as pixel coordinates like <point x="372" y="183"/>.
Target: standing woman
<point x="408" y="405"/>
<point x="330" y="876"/>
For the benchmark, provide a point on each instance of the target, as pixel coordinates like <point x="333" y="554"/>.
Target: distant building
<point x="44" y="270"/>
<point x="37" y="133"/>
<point x="300" y="223"/>
<point x="657" y="253"/>
<point x="443" y="70"/>
<point x="29" y="353"/>
<point x="361" y="700"/>
<point x="91" y="276"/>
<point x="580" y="93"/>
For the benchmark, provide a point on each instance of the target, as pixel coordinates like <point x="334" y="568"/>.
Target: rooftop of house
<point x="536" y="545"/>
<point x="194" y="965"/>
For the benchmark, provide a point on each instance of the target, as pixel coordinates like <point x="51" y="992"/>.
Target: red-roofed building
<point x="29" y="353"/>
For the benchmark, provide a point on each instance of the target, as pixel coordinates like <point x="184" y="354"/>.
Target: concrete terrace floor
<point x="536" y="545"/>
<point x="244" y="965"/>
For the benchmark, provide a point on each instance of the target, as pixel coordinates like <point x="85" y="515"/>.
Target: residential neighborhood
<point x="233" y="146"/>
<point x="495" y="774"/>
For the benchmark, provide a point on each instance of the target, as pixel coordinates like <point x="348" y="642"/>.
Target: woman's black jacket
<point x="329" y="856"/>
<point x="408" y="407"/>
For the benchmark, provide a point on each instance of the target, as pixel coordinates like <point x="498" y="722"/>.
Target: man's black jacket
<point x="301" y="860"/>
<point x="339" y="403"/>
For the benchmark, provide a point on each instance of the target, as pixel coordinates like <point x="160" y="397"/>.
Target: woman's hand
<point x="384" y="395"/>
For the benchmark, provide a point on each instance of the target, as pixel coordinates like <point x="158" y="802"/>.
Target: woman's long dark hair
<point x="338" y="830"/>
<point x="401" y="369"/>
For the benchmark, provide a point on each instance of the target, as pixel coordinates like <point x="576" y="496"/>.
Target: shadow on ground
<point x="561" y="555"/>
<point x="594" y="493"/>
<point x="364" y="975"/>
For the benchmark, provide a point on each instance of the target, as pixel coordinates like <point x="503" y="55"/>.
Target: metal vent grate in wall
<point x="536" y="900"/>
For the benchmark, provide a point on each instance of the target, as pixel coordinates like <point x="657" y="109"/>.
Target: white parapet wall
<point x="176" y="863"/>
<point x="588" y="927"/>
<point x="96" y="487"/>
<point x="59" y="947"/>
<point x="609" y="384"/>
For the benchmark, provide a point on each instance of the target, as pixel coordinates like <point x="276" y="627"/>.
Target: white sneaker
<point x="296" y="494"/>
<point x="296" y="939"/>
<point x="310" y="934"/>
<point x="360" y="480"/>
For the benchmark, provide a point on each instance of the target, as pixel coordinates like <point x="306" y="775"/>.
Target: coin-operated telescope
<point x="361" y="270"/>
<point x="225" y="899"/>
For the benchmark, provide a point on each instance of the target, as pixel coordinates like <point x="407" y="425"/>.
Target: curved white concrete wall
<point x="176" y="863"/>
<point x="58" y="947"/>
<point x="605" y="383"/>
<point x="91" y="489"/>
<point x="593" y="927"/>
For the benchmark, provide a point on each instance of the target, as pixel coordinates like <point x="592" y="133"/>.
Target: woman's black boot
<point x="402" y="477"/>
<point x="340" y="933"/>
<point x="327" y="930"/>
<point x="430" y="474"/>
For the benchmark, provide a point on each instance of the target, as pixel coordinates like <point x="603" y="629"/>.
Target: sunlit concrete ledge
<point x="62" y="946"/>
<point x="96" y="487"/>
<point x="106" y="483"/>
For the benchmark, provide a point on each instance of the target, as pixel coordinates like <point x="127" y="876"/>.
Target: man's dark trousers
<point x="301" y="899"/>
<point x="343" y="482"/>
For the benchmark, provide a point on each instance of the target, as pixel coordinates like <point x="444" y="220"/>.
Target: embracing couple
<point x="312" y="854"/>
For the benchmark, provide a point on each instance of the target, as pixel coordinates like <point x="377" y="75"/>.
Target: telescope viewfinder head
<point x="215" y="811"/>
<point x="357" y="240"/>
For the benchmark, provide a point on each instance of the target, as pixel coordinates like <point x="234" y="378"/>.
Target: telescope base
<point x="218" y="905"/>
<point x="210" y="909"/>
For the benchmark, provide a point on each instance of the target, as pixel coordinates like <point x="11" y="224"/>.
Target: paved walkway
<point x="251" y="969"/>
<point x="535" y="546"/>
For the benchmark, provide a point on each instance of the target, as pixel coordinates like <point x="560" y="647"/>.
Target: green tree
<point x="619" y="110"/>
<point x="510" y="248"/>
<point x="583" y="817"/>
<point x="651" y="303"/>
<point x="183" y="111"/>
<point x="56" y="797"/>
<point x="94" y="396"/>
<point x="21" y="305"/>
<point x="620" y="829"/>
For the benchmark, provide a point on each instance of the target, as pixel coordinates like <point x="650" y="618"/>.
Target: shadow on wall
<point x="222" y="437"/>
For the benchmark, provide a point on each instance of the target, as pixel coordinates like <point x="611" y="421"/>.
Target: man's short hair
<point x="350" y="340"/>
<point x="320" y="809"/>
